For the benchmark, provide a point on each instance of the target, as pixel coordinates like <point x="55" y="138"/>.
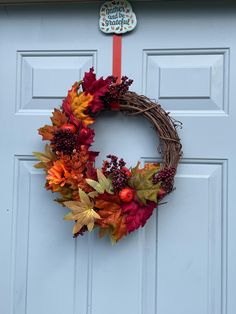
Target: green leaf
<point x="141" y="181"/>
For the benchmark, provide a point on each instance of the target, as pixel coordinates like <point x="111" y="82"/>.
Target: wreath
<point x="114" y="198"/>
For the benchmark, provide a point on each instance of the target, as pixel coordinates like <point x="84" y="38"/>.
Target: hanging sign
<point x="117" y="17"/>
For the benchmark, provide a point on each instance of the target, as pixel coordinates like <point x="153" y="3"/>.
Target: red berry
<point x="161" y="193"/>
<point x="126" y="195"/>
<point x="69" y="127"/>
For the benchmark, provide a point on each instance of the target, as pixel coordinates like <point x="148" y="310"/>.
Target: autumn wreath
<point x="114" y="198"/>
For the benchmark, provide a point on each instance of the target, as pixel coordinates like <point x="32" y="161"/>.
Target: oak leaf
<point x="47" y="132"/>
<point x="58" y="118"/>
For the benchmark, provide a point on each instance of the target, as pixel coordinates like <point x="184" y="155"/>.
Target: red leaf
<point x="97" y="88"/>
<point x="137" y="214"/>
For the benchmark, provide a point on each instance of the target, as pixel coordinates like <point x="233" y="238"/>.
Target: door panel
<point x="183" y="260"/>
<point x="187" y="64"/>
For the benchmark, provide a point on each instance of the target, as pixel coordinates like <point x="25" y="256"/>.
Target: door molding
<point x="17" y="2"/>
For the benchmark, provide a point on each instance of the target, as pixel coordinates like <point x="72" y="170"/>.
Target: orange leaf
<point x="112" y="218"/>
<point x="58" y="118"/>
<point x="47" y="132"/>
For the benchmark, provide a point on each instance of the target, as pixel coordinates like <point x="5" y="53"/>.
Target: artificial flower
<point x="57" y="174"/>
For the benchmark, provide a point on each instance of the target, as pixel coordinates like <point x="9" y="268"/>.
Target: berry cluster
<point x="166" y="177"/>
<point x="65" y="142"/>
<point x="116" y="90"/>
<point x="116" y="169"/>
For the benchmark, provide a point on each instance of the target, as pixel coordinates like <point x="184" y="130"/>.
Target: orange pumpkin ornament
<point x="126" y="195"/>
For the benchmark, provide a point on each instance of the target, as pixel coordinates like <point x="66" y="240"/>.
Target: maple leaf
<point x="58" y="118"/>
<point x="97" y="88"/>
<point x="137" y="214"/>
<point x="103" y="185"/>
<point x="89" y="78"/>
<point x="47" y="132"/>
<point x="112" y="219"/>
<point x="82" y="212"/>
<point x="141" y="181"/>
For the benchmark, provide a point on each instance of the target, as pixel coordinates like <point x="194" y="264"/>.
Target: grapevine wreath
<point x="114" y="198"/>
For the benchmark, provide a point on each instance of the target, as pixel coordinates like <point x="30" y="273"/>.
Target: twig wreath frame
<point x="115" y="199"/>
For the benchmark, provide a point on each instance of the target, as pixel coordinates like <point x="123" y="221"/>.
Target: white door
<point x="183" y="261"/>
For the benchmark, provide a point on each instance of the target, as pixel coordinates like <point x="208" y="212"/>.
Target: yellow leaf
<point x="93" y="194"/>
<point x="69" y="216"/>
<point x="97" y="186"/>
<point x="77" y="227"/>
<point x="82" y="212"/>
<point x="103" y="184"/>
<point x="80" y="104"/>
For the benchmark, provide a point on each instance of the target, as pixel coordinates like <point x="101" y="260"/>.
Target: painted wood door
<point x="184" y="260"/>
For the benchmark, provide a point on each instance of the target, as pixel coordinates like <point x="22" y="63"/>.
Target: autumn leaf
<point x="39" y="165"/>
<point x="47" y="132"/>
<point x="82" y="212"/>
<point x="79" y="106"/>
<point x="141" y="181"/>
<point x="112" y="219"/>
<point x="103" y="185"/>
<point x="137" y="214"/>
<point x="45" y="158"/>
<point x="58" y="118"/>
<point x="97" y="88"/>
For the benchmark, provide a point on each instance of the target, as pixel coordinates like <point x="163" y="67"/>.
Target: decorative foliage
<point x="82" y="212"/>
<point x="141" y="180"/>
<point x="115" y="199"/>
<point x="103" y="185"/>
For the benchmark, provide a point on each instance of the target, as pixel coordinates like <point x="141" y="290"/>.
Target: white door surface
<point x="184" y="260"/>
